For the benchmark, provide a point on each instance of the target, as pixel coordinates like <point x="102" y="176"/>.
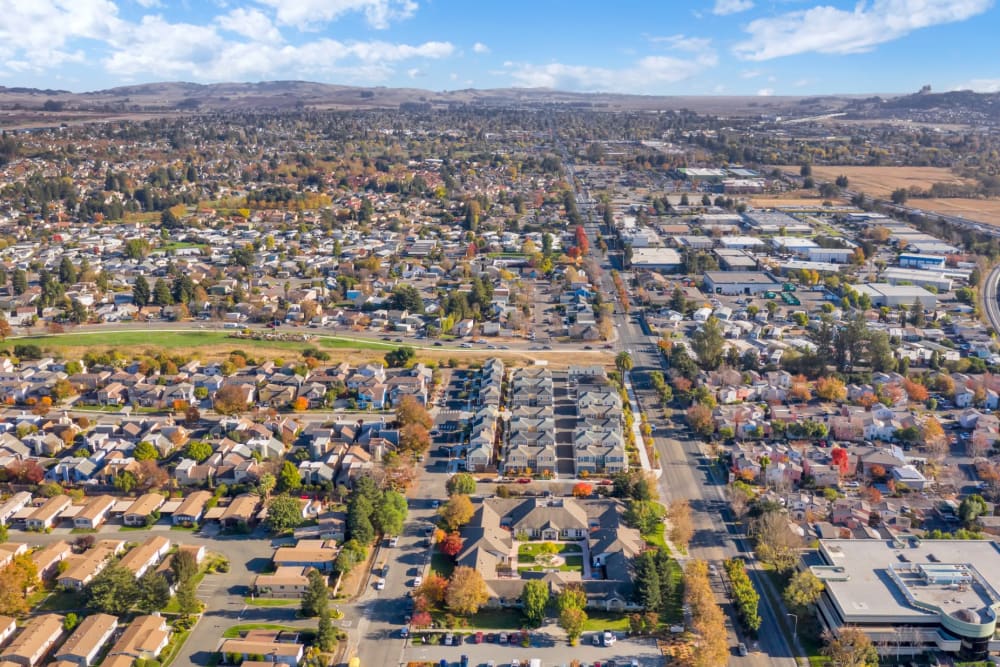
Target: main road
<point x="686" y="472"/>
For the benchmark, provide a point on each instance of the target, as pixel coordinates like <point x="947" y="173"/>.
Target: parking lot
<point x="551" y="650"/>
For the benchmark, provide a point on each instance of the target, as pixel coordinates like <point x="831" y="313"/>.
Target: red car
<point x="524" y="480"/>
<point x="479" y="637"/>
<point x="605" y="482"/>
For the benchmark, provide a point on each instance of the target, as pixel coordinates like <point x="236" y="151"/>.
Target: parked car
<point x="742" y="649"/>
<point x="449" y="639"/>
<point x="502" y="638"/>
<point x="479" y="638"/>
<point x="380" y="585"/>
<point x="609" y="638"/>
<point x="597" y="639"/>
<point x="465" y="661"/>
<point x="417" y="581"/>
<point x="393" y="541"/>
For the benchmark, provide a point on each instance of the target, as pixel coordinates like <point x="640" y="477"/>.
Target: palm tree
<point x="623" y="361"/>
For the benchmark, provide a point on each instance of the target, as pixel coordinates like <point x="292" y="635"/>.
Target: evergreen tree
<point x="141" y="292"/>
<point x="315" y="599"/>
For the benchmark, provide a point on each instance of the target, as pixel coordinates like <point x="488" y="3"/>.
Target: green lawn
<point x="268" y="602"/>
<point x="442" y="564"/>
<point x="62" y="600"/>
<point x="488" y="619"/>
<point x="157" y="337"/>
<point x="598" y="620"/>
<point x="234" y="632"/>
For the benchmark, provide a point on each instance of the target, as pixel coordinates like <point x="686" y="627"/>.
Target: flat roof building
<point x="895" y="275"/>
<point x="656" y="259"/>
<point x="884" y="294"/>
<point x="911" y="596"/>
<point x="739" y="282"/>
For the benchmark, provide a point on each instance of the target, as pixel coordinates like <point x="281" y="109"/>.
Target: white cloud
<point x="765" y="92"/>
<point x="45" y="34"/>
<point x="36" y="35"/>
<point x="479" y="47"/>
<point x="150" y="3"/>
<point x="251" y="23"/>
<point x="980" y="85"/>
<point x="750" y="74"/>
<point x="725" y="7"/>
<point x="308" y="14"/>
<point x="684" y="43"/>
<point x="827" y="29"/>
<point x="642" y="76"/>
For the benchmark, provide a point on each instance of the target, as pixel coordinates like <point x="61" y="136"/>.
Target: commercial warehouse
<point x="740" y="282"/>
<point x="884" y="294"/>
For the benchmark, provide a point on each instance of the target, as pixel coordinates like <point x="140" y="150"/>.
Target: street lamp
<point x="795" y="631"/>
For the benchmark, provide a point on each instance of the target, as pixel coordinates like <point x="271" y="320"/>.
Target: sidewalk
<point x="637" y="414"/>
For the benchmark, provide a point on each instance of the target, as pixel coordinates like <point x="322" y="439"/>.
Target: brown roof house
<point x="192" y="508"/>
<point x="94" y="513"/>
<point x="146" y="555"/>
<point x="144" y="638"/>
<point x="35" y="641"/>
<point x="88" y="639"/>
<point x="44" y="517"/>
<point x="142" y="509"/>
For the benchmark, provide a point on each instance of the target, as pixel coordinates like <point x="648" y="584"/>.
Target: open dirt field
<point x="881" y="181"/>
<point x="793" y="199"/>
<point x="981" y="210"/>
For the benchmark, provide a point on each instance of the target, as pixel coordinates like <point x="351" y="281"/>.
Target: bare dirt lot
<point x="981" y="210"/>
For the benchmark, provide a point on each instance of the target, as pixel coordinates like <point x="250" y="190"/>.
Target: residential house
<point x="264" y="643"/>
<point x="318" y="554"/>
<point x="47" y="558"/>
<point x="191" y="509"/>
<point x="285" y="581"/>
<point x="7" y="628"/>
<point x="145" y="638"/>
<point x="34" y="642"/>
<point x="45" y="516"/>
<point x="84" y="567"/>
<point x="241" y="511"/>
<point x="145" y="555"/>
<point x="13" y="505"/>
<point x="87" y="640"/>
<point x="94" y="513"/>
<point x="141" y="511"/>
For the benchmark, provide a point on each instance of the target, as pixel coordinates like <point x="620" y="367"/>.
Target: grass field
<point x="269" y="602"/>
<point x="182" y="339"/>
<point x="234" y="632"/>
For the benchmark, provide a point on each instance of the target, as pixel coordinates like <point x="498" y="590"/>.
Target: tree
<point x="399" y="357"/>
<point x="316" y="597"/>
<point x="933" y="437"/>
<point x="184" y="566"/>
<point x="266" y="484"/>
<point x="582" y="490"/>
<point x="19" y="577"/>
<point x="114" y="591"/>
<point x="457" y="511"/>
<point x="283" y="513"/>
<point x="466" y="592"/>
<point x="19" y="281"/>
<point x="289" y="478"/>
<point x="800" y="390"/>
<point x="971" y="508"/>
<point x="153" y="592"/>
<point x="351" y="553"/>
<point x="681" y="525"/>
<point x="776" y="544"/>
<point x="230" y="400"/>
<point x="414" y="438"/>
<point x="899" y="196"/>
<point x="623" y="362"/>
<point x="699" y="418"/>
<point x="803" y="590"/>
<point x="534" y="598"/>
<point x="831" y="389"/>
<point x="406" y="297"/>
<point x="451" y="545"/>
<point x="141" y="293"/>
<point x="461" y="483"/>
<point x="300" y="404"/>
<point x="5" y="328"/>
<point x="389" y="513"/>
<point x="126" y="481"/>
<point x="849" y="647"/>
<point x="411" y="411"/>
<point x="647" y="580"/>
<point x="187" y="598"/>
<point x="145" y="451"/>
<point x="914" y="391"/>
<point x="326" y="636"/>
<point x="572" y="621"/>
<point x="708" y="342"/>
<point x="434" y="589"/>
<point x="70" y="622"/>
<point x="199" y="450"/>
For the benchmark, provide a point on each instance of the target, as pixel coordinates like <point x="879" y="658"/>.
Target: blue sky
<point x="696" y="47"/>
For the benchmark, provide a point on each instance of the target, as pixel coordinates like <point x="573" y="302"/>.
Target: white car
<point x="380" y="585"/>
<point x="417" y="581"/>
<point x="394" y="541"/>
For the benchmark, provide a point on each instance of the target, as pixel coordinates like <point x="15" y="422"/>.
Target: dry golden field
<point x="881" y="181"/>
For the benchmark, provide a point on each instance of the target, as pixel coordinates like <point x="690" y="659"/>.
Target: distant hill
<point x="958" y="106"/>
<point x="277" y="95"/>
